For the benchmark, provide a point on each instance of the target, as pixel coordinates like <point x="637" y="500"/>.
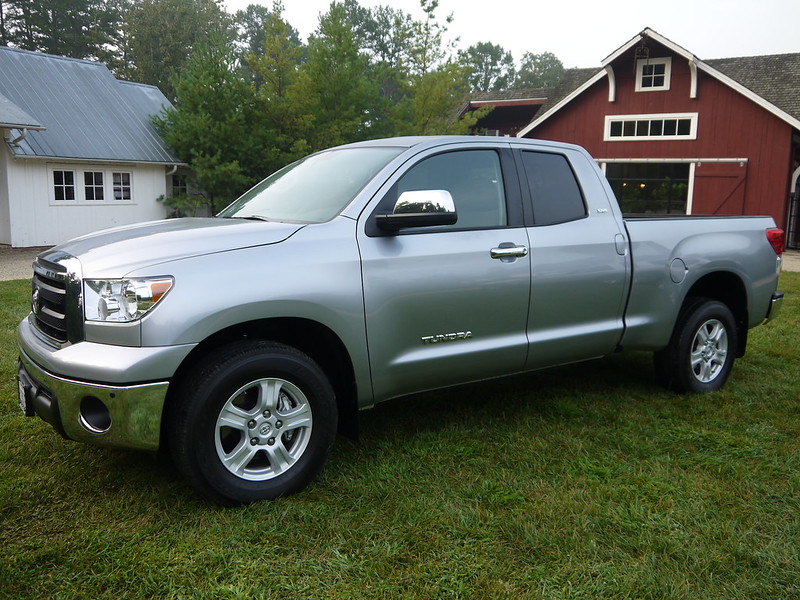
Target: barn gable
<point x="761" y="79"/>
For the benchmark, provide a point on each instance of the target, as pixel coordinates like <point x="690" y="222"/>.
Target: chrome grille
<point x="55" y="300"/>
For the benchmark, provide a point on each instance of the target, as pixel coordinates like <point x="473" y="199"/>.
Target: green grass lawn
<point x="586" y="481"/>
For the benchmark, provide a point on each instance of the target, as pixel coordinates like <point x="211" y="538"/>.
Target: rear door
<point x="579" y="260"/>
<point x="448" y="304"/>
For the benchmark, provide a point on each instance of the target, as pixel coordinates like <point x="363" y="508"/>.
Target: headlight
<point x="122" y="300"/>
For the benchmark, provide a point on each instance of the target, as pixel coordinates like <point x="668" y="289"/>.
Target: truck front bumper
<point x="123" y="417"/>
<point x="66" y="387"/>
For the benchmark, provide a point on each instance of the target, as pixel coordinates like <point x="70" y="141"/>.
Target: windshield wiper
<point x="251" y="218"/>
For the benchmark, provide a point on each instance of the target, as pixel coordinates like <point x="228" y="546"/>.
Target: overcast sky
<point x="583" y="32"/>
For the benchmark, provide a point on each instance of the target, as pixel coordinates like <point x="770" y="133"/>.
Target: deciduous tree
<point x="539" y="71"/>
<point x="492" y="67"/>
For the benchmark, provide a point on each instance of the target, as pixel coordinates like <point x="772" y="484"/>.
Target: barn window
<point x="681" y="126"/>
<point x="64" y="186"/>
<point x="650" y="188"/>
<point x="93" y="185"/>
<point x="653" y="74"/>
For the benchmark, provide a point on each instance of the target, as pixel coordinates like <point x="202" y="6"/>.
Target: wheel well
<point x="729" y="289"/>
<point x="311" y="338"/>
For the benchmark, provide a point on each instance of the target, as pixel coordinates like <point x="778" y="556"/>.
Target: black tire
<point x="253" y="421"/>
<point x="702" y="350"/>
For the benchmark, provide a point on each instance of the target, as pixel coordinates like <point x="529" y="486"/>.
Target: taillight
<point x="777" y="239"/>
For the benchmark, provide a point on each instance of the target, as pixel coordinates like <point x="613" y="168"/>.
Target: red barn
<point x="675" y="134"/>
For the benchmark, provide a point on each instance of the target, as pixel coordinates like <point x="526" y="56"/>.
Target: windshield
<point x="314" y="189"/>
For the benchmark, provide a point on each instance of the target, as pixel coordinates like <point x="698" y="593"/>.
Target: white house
<point x="79" y="151"/>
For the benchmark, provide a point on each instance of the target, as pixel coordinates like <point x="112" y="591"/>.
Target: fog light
<point x="94" y="415"/>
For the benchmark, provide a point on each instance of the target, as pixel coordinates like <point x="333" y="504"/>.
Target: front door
<point x="448" y="304"/>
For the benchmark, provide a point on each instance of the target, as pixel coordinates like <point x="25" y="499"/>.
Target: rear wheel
<point x="702" y="349"/>
<point x="254" y="421"/>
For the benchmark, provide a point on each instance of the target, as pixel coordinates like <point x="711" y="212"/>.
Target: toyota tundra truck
<point x="242" y="343"/>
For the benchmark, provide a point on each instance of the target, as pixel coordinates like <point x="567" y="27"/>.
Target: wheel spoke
<point x="696" y="358"/>
<point x="237" y="460"/>
<point x="706" y="372"/>
<point x="269" y="392"/>
<point x="280" y="458"/>
<point x="298" y="418"/>
<point x="234" y="417"/>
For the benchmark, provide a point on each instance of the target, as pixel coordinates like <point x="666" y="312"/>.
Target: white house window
<point x="681" y="126"/>
<point x="653" y="74"/>
<point x="64" y="186"/>
<point x="122" y="186"/>
<point x="180" y="184"/>
<point x="90" y="186"/>
<point x="93" y="185"/>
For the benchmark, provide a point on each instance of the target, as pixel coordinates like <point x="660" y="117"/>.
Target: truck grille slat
<point x="50" y="298"/>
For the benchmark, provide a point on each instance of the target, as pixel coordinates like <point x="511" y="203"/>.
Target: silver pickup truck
<point x="242" y="343"/>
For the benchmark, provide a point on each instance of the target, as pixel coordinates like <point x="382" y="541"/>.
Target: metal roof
<point x="13" y="117"/>
<point x="86" y="113"/>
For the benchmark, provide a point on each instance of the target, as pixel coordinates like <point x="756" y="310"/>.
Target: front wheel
<point x="701" y="352"/>
<point x="253" y="421"/>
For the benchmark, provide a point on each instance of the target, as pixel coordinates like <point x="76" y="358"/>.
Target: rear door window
<point x="555" y="193"/>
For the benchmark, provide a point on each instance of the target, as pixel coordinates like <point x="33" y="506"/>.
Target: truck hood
<point x="117" y="252"/>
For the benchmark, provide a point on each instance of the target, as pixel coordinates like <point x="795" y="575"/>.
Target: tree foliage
<point x="336" y="80"/>
<point x="539" y="71"/>
<point x="75" y="28"/>
<point x="282" y="106"/>
<point x="212" y="126"/>
<point x="492" y="67"/>
<point x="257" y="22"/>
<point x="160" y="35"/>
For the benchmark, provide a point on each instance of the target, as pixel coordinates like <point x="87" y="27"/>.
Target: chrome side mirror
<point x="421" y="208"/>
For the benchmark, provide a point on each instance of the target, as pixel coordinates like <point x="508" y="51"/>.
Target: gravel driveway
<point x="15" y="263"/>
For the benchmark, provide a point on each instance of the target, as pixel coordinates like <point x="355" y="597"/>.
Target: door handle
<point x="621" y="244"/>
<point x="511" y="251"/>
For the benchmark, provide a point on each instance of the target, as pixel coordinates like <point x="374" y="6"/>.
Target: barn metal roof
<point x="80" y="110"/>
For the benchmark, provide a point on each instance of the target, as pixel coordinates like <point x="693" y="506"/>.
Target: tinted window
<point x="555" y="193"/>
<point x="473" y="178"/>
